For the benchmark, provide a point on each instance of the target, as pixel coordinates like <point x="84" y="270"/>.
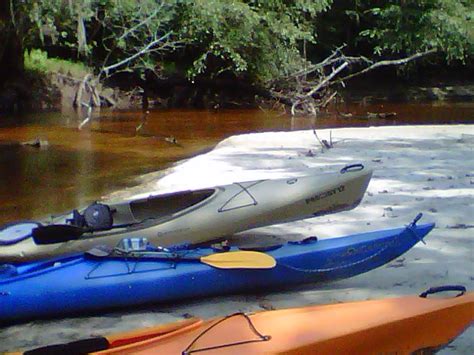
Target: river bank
<point x="424" y="169"/>
<point x="53" y="84"/>
<point x="74" y="167"/>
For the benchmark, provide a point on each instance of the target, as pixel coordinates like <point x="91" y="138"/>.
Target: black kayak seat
<point x="98" y="217"/>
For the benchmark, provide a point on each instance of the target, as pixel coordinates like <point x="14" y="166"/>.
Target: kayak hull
<point x="402" y="325"/>
<point x="388" y="326"/>
<point x="78" y="284"/>
<point x="202" y="215"/>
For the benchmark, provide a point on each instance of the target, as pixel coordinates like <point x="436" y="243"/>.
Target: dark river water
<point x="79" y="166"/>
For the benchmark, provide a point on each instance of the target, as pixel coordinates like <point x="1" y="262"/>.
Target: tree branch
<point x="146" y="20"/>
<point x="144" y="50"/>
<point x="327" y="61"/>
<point x="386" y="63"/>
<point x="327" y="79"/>
<point x="299" y="94"/>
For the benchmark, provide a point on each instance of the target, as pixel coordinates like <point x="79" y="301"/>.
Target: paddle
<point x="226" y="260"/>
<point x="239" y="260"/>
<point x="56" y="233"/>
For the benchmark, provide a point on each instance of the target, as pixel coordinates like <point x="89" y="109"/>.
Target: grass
<point x="37" y="61"/>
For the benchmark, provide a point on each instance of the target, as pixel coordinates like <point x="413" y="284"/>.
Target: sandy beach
<point x="428" y="169"/>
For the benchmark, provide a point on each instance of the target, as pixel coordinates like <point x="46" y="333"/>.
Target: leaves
<point x="259" y="39"/>
<point x="410" y="26"/>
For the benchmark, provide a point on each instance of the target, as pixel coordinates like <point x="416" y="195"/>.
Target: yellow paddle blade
<point x="240" y="260"/>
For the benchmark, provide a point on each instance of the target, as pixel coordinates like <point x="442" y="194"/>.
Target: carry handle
<point x="352" y="167"/>
<point x="432" y="290"/>
<point x="416" y="219"/>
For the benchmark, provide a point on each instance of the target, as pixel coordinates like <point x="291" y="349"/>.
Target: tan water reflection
<point x="78" y="167"/>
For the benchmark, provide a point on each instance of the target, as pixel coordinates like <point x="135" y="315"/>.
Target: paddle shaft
<point x="225" y="260"/>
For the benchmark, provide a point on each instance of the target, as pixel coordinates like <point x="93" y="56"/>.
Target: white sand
<point x="427" y="169"/>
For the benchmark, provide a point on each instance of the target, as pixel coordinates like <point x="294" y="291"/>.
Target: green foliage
<point x="98" y="31"/>
<point x="255" y="38"/>
<point x="407" y="26"/>
<point x="37" y="60"/>
<point x="56" y="22"/>
<point x="260" y="39"/>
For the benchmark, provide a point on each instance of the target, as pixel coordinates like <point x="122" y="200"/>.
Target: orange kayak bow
<point x="395" y="325"/>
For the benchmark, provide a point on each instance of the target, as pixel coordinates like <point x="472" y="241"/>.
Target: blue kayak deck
<point x="82" y="283"/>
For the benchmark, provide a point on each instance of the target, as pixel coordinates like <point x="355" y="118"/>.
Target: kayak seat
<point x="98" y="217"/>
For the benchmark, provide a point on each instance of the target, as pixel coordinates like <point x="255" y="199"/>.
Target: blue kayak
<point x="91" y="282"/>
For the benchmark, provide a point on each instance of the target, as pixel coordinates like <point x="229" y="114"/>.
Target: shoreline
<point x="426" y="169"/>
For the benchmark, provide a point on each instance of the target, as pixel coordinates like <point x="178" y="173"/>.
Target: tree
<point x="260" y="40"/>
<point x="408" y="26"/>
<point x="11" y="47"/>
<point x="103" y="33"/>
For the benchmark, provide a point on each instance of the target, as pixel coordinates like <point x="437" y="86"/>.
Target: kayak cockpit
<point x="100" y="217"/>
<point x="8" y="271"/>
<point x="120" y="217"/>
<point x="167" y="204"/>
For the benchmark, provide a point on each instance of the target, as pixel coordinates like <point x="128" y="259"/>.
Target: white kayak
<point x="188" y="217"/>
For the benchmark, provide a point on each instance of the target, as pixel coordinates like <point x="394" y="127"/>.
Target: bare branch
<point x="327" y="79"/>
<point x="315" y="67"/>
<point x="88" y="116"/>
<point x="386" y="63"/>
<point x="329" y="99"/>
<point x="125" y="34"/>
<point x="298" y="91"/>
<point x="141" y="52"/>
<point x="145" y="21"/>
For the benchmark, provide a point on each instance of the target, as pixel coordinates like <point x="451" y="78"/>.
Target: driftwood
<point x="36" y="143"/>
<point x="381" y="115"/>
<point x="324" y="143"/>
<point x="156" y="136"/>
<point x="88" y="115"/>
<point x="307" y="91"/>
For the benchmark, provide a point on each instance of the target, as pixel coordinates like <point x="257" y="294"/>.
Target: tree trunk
<point x="11" y="46"/>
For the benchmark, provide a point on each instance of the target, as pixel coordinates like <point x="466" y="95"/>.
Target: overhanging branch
<point x="307" y="96"/>
<point x="141" y="52"/>
<point x="384" y="63"/>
